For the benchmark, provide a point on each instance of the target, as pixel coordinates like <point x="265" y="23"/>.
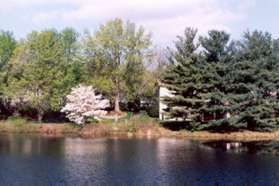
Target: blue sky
<point x="165" y="19"/>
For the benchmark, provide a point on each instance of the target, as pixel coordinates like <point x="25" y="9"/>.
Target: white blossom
<point x="82" y="103"/>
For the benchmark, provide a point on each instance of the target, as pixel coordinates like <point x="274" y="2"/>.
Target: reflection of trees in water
<point x="177" y="158"/>
<point x="252" y="147"/>
<point x="30" y="145"/>
<point x="84" y="159"/>
<point x="270" y="147"/>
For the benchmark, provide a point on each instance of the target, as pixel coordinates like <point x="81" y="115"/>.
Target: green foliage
<point x="7" y="47"/>
<point x="184" y="79"/>
<point x="233" y="94"/>
<point x="215" y="45"/>
<point x="42" y="68"/>
<point x="115" y="55"/>
<point x="218" y="84"/>
<point x="40" y="74"/>
<point x="255" y="45"/>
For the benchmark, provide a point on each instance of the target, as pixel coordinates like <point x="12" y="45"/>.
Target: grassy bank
<point x="20" y="125"/>
<point x="135" y="126"/>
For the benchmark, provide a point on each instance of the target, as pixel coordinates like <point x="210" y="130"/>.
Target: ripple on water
<point x="34" y="160"/>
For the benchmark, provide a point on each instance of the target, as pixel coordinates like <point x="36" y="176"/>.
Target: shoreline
<point x="142" y="131"/>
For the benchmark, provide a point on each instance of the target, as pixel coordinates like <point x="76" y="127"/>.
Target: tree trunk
<point x="117" y="97"/>
<point x="40" y="116"/>
<point x="116" y="103"/>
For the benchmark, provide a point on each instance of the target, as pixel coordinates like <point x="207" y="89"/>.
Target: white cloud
<point x="165" y="18"/>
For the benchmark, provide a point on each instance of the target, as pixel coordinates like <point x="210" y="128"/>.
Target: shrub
<point x="83" y="103"/>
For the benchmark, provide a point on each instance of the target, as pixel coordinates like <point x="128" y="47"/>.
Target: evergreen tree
<point x="218" y="53"/>
<point x="229" y="87"/>
<point x="215" y="45"/>
<point x="255" y="45"/>
<point x="253" y="84"/>
<point x="184" y="79"/>
<point x="248" y="98"/>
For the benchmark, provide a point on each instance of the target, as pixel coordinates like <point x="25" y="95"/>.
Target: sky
<point x="164" y="19"/>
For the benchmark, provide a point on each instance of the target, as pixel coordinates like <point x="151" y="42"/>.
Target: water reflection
<point x="33" y="160"/>
<point x="252" y="147"/>
<point x="30" y="145"/>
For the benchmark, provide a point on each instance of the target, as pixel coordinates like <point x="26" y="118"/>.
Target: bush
<point x="82" y="103"/>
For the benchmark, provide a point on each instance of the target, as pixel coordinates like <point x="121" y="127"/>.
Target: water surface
<point x="34" y="160"/>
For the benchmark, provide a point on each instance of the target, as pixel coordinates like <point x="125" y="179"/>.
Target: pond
<point x="34" y="160"/>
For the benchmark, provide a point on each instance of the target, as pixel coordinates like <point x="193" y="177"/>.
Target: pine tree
<point x="247" y="98"/>
<point x="184" y="79"/>
<point x="253" y="84"/>
<point x="255" y="45"/>
<point x="218" y="53"/>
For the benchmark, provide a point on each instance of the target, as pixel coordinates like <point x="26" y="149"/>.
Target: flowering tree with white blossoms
<point x="83" y="102"/>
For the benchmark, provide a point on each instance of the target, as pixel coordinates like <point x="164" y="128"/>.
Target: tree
<point x="255" y="45"/>
<point x="71" y="45"/>
<point x="252" y="84"/>
<point x="82" y="103"/>
<point x="215" y="45"/>
<point x="39" y="72"/>
<point x="217" y="54"/>
<point x="252" y="95"/>
<point x="7" y="47"/>
<point x="184" y="79"/>
<point x="72" y="64"/>
<point x="160" y="62"/>
<point x="235" y="86"/>
<point x="247" y="98"/>
<point x="115" y="56"/>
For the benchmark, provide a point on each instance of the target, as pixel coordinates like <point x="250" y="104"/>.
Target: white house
<point x="163" y="92"/>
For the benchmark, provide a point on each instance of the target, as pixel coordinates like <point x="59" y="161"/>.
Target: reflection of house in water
<point x="230" y="146"/>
